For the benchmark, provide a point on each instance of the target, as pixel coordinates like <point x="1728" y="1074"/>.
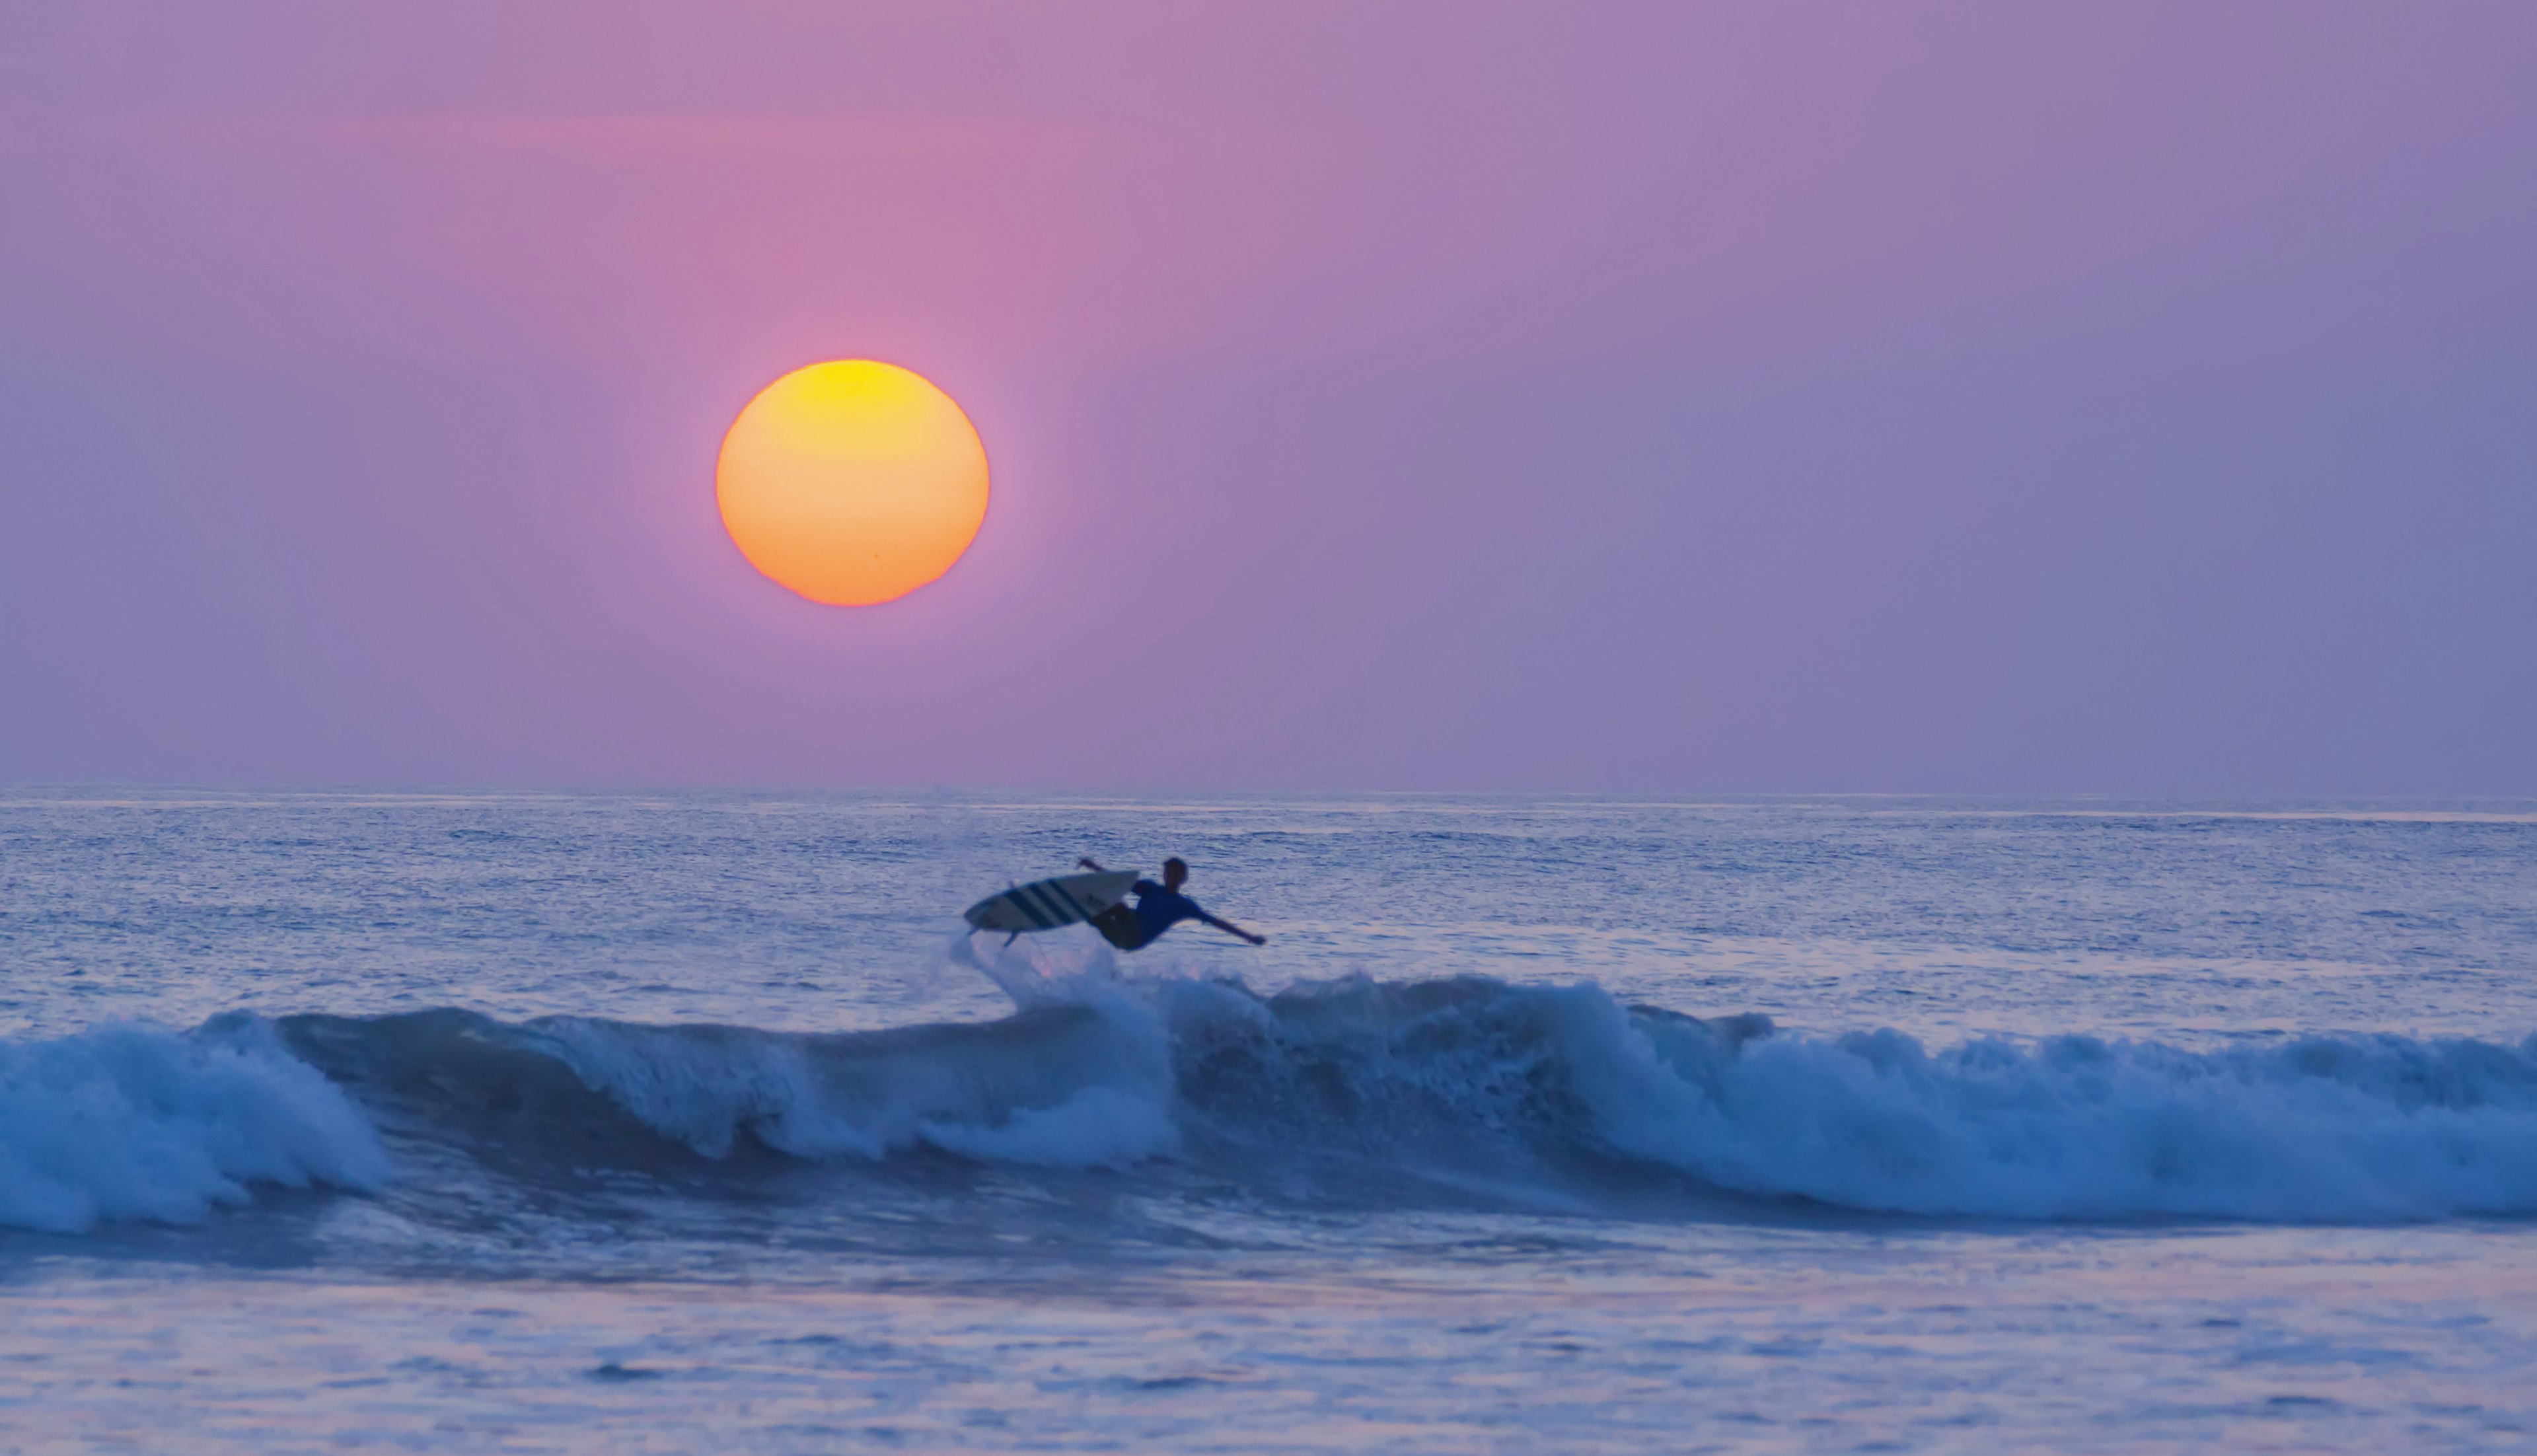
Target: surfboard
<point x="1045" y="905"/>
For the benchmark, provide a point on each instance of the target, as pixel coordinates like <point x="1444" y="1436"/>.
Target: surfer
<point x="1158" y="908"/>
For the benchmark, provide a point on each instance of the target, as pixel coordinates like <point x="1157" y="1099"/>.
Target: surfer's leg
<point x="1118" y="925"/>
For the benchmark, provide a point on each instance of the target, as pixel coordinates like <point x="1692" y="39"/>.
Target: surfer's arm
<point x="1230" y="929"/>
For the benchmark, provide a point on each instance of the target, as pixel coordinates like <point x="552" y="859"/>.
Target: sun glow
<point x="852" y="482"/>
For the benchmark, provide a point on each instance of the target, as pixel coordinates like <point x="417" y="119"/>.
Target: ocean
<point x="476" y="1121"/>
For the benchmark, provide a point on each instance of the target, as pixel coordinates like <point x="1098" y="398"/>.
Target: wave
<point x="1353" y="1091"/>
<point x="2321" y="1129"/>
<point x="126" y="1123"/>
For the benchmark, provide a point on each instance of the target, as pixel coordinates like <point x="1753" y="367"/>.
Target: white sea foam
<point x="133" y="1123"/>
<point x="1088" y="1083"/>
<point x="705" y="1086"/>
<point x="2350" y="1128"/>
<point x="1478" y="1079"/>
<point x="1467" y="1083"/>
<point x="1098" y="1128"/>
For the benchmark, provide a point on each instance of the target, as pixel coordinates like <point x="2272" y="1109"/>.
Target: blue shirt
<point x="1158" y="910"/>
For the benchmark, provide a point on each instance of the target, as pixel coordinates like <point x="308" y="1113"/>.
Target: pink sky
<point x="1641" y="398"/>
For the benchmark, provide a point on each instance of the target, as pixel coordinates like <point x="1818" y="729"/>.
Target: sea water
<point x="681" y="1122"/>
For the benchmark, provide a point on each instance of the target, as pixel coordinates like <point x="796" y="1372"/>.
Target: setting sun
<point x="852" y="482"/>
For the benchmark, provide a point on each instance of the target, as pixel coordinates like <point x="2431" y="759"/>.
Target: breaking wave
<point x="131" y="1123"/>
<point x="1355" y="1090"/>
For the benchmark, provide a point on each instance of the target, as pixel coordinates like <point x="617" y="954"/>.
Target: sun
<point x="852" y="482"/>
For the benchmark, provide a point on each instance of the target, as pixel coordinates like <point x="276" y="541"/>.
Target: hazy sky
<point x="2138" y="397"/>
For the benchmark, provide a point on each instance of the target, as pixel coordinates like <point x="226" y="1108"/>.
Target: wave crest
<point x="1348" y="1088"/>
<point x="129" y="1124"/>
<point x="2318" y="1128"/>
<point x="1355" y="1092"/>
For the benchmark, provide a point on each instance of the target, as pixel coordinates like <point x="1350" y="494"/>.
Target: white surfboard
<point x="1045" y="905"/>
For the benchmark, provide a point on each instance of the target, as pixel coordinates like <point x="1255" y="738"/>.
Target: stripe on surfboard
<point x="1065" y="897"/>
<point x="1051" y="904"/>
<point x="1019" y="895"/>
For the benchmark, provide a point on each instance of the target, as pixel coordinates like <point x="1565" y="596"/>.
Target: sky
<point x="1622" y="399"/>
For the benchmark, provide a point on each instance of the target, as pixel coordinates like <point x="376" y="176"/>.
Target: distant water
<point x="679" y="1122"/>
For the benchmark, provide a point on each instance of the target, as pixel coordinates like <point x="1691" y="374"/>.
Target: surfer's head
<point x="1175" y="870"/>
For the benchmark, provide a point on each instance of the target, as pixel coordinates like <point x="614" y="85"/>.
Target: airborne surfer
<point x="1158" y="908"/>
